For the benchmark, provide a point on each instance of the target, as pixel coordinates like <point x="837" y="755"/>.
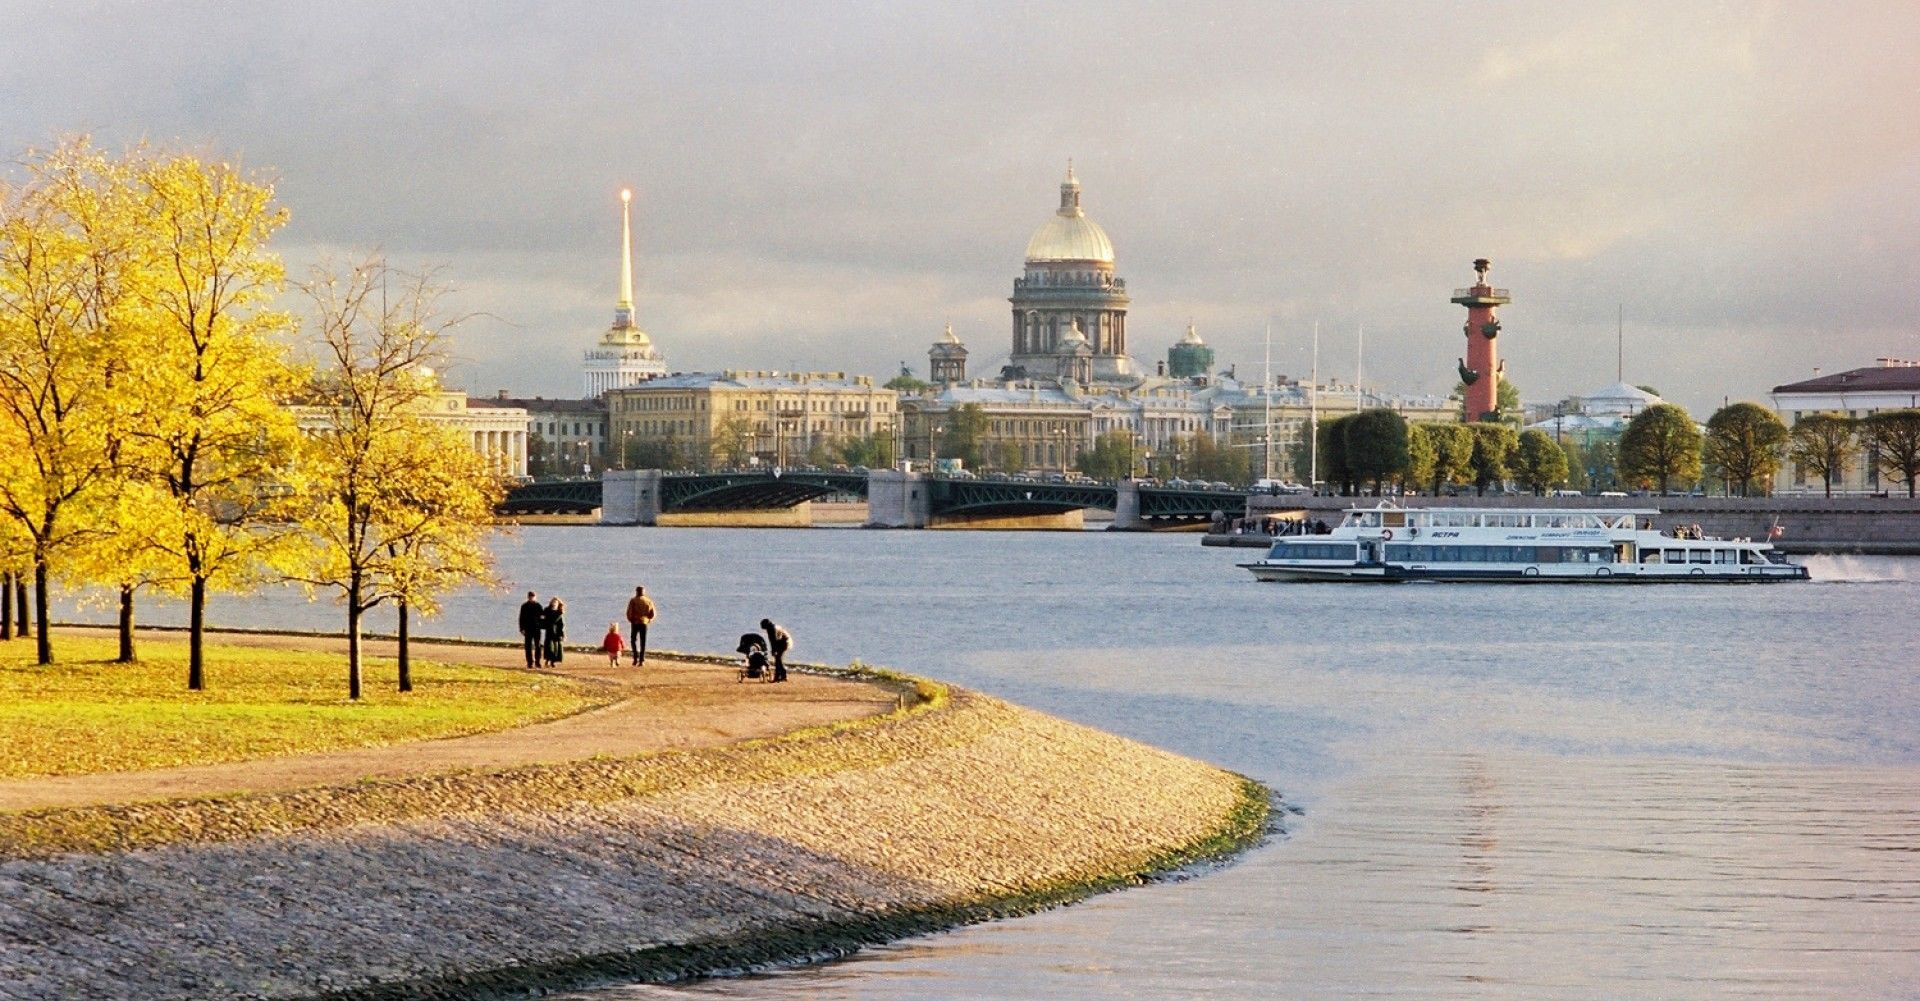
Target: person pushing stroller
<point x="754" y="648"/>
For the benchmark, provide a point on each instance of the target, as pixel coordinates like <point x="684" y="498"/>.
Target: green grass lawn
<point x="88" y="714"/>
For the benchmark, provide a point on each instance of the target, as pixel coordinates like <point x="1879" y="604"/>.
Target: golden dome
<point x="1070" y="235"/>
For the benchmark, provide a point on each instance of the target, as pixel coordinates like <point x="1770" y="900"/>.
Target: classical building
<point x="564" y="437"/>
<point x="709" y="419"/>
<point x="625" y="355"/>
<point x="1890" y="384"/>
<point x="1069" y="285"/>
<point x="1603" y="413"/>
<point x="497" y="432"/>
<point x="1045" y="426"/>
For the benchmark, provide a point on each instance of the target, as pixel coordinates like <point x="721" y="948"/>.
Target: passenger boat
<point x="1524" y="545"/>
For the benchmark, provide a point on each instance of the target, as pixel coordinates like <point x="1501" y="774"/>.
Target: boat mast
<point x="1360" y="370"/>
<point x="1313" y="415"/>
<point x="1266" y="394"/>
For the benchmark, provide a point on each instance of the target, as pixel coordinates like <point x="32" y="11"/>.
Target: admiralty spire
<point x="1069" y="284"/>
<point x="625" y="355"/>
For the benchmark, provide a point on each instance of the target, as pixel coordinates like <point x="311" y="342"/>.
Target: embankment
<point x="481" y="884"/>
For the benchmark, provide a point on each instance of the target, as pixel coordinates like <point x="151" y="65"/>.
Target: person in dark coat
<point x="532" y="616"/>
<point x="554" y="626"/>
<point x="779" y="641"/>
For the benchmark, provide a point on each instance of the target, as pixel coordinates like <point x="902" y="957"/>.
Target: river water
<point x="1506" y="791"/>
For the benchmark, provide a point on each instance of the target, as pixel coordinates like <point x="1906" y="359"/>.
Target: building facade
<point x="497" y="432"/>
<point x="1069" y="285"/>
<point x="715" y="419"/>
<point x="625" y="355"/>
<point x="564" y="437"/>
<point x="1890" y="384"/>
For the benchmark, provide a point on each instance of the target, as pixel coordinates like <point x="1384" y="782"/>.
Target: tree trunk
<point x="196" y="635"/>
<point x="43" y="641"/>
<point x="406" y="669"/>
<point x="6" y="606"/>
<point x="1829" y="479"/>
<point x="126" y="624"/>
<point x="353" y="644"/>
<point x="20" y="617"/>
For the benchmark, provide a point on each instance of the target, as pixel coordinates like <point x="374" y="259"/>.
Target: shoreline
<point x="497" y="883"/>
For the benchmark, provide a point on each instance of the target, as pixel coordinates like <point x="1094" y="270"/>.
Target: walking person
<point x="532" y="617"/>
<point x="611" y="644"/>
<point x="779" y="641"/>
<point x="554" y="624"/>
<point x="640" y="613"/>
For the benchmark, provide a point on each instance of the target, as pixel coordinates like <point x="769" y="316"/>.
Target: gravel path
<point x="676" y="704"/>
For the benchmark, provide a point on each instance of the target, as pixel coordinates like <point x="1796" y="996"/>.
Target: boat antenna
<point x="1360" y="370"/>
<point x="1620" y="342"/>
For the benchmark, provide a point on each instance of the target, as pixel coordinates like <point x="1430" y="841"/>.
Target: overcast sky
<point x="824" y="185"/>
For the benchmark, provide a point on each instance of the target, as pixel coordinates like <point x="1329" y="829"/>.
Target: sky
<point x="824" y="186"/>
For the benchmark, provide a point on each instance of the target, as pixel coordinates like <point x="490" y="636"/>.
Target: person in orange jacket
<point x="612" y="644"/>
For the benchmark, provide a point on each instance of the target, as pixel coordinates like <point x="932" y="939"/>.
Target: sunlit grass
<point x="87" y="714"/>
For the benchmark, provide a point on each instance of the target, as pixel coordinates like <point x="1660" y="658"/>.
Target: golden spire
<point x="626" y="253"/>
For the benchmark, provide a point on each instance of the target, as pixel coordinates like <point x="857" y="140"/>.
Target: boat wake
<point x="1863" y="569"/>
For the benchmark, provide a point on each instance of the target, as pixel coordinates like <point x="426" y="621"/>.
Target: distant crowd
<point x="1271" y="525"/>
<point x="543" y="631"/>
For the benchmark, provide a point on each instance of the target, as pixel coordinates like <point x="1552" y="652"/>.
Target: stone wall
<point x="475" y="886"/>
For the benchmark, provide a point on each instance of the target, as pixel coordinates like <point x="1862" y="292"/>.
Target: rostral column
<point x="1481" y="369"/>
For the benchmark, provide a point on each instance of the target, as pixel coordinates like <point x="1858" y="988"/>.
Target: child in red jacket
<point x="613" y="644"/>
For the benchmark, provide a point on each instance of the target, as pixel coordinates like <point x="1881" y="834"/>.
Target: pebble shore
<point x="504" y="884"/>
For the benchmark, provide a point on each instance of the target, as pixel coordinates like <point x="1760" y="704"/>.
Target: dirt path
<point x="674" y="704"/>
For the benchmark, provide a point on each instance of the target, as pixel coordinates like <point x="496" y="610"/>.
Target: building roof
<point x="1891" y="375"/>
<point x="538" y="404"/>
<point x="1070" y="235"/>
<point x="756" y="380"/>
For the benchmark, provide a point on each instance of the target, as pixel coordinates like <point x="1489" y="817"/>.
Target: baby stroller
<point x="754" y="647"/>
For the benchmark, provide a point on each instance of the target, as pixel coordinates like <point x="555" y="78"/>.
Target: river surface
<point x="1506" y="791"/>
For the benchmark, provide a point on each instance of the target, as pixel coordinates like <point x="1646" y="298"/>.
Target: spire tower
<point x="623" y="310"/>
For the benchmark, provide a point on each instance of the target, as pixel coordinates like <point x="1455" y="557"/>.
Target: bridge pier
<point x="630" y="497"/>
<point x="897" y="500"/>
<point x="1126" y="507"/>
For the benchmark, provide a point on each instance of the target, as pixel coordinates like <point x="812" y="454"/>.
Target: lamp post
<point x="1060" y="448"/>
<point x="932" y="430"/>
<point x="1146" y="460"/>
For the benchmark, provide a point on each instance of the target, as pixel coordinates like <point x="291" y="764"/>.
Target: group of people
<point x="543" y="628"/>
<point x="1272" y="525"/>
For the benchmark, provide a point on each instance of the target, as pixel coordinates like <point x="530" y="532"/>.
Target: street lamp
<point x="1146" y="459"/>
<point x="933" y="429"/>
<point x="1060" y="448"/>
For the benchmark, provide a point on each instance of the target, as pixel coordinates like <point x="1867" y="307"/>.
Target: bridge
<point x="895" y="499"/>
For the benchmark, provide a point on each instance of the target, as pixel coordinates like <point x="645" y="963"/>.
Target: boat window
<point x="1750" y="558"/>
<point x="1395" y="519"/>
<point x="1313" y="551"/>
<point x="1699" y="556"/>
<point x="1723" y="556"/>
<point x="1649" y="555"/>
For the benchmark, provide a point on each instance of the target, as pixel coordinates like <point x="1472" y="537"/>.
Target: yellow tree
<point x="64" y="261"/>
<point x="394" y="504"/>
<point x="440" y="515"/>
<point x="210" y="438"/>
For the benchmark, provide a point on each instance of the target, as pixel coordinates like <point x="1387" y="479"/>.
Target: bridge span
<point x="894" y="499"/>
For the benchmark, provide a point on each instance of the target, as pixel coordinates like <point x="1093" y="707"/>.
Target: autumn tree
<point x="395" y="505"/>
<point x="1893" y="439"/>
<point x="1825" y="445"/>
<point x="1421" y="458"/>
<point x="210" y="437"/>
<point x="1375" y="445"/>
<point x="1660" y="444"/>
<point x="1112" y="457"/>
<point x="733" y="440"/>
<point x="1539" y="463"/>
<point x="1493" y="449"/>
<point x="965" y="437"/>
<point x="1452" y="454"/>
<point x="1331" y="458"/>
<point x="1744" y="441"/>
<point x="65" y="248"/>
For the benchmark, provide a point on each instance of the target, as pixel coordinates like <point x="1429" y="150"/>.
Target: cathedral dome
<point x="1070" y="235"/>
